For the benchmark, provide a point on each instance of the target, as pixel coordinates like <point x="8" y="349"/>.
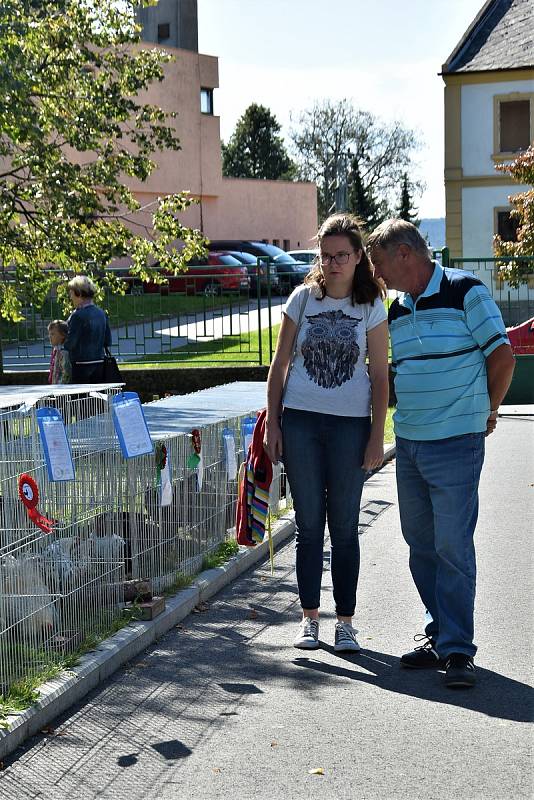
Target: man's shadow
<point x="494" y="695"/>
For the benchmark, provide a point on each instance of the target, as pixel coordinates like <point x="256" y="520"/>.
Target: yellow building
<point x="489" y="119"/>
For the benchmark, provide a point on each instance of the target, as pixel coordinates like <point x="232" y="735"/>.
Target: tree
<point x="72" y="131"/>
<point x="362" y="203"/>
<point x="256" y="149"/>
<point x="405" y="209"/>
<point x="516" y="271"/>
<point x="331" y="134"/>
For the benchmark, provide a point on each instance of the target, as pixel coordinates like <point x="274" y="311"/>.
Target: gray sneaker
<point x="308" y="635"/>
<point x="345" y="641"/>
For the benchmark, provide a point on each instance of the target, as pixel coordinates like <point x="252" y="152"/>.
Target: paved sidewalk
<point x="223" y="706"/>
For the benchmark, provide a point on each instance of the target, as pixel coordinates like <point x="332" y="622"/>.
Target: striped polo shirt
<point x="439" y="346"/>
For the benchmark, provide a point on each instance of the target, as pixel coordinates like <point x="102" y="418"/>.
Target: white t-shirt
<point x="329" y="374"/>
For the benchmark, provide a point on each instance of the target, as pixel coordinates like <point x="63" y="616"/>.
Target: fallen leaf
<point x="316" y="771"/>
<point x="253" y="614"/>
<point x="48" y="730"/>
<point x="216" y="769"/>
<point x="274" y="744"/>
<point x="200" y="608"/>
<point x="2" y="765"/>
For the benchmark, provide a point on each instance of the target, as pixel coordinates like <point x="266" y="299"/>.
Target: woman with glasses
<point x="327" y="421"/>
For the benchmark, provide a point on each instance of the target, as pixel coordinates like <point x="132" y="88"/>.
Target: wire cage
<point x="165" y="542"/>
<point x="58" y="587"/>
<point x="63" y="589"/>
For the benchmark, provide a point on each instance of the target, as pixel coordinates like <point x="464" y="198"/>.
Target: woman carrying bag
<point x="331" y="430"/>
<point x="89" y="333"/>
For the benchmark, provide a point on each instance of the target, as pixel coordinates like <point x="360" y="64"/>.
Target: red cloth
<point x="522" y="337"/>
<point x="258" y="475"/>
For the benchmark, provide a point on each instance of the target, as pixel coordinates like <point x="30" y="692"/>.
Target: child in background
<point x="60" y="370"/>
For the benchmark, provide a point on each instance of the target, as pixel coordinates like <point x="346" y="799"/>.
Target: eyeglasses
<point x="340" y="259"/>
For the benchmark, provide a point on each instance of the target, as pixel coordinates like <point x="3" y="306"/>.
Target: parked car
<point x="267" y="272"/>
<point x="289" y="271"/>
<point x="218" y="273"/>
<point x="304" y="256"/>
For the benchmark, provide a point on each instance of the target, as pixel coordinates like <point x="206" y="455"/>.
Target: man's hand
<point x="492" y="422"/>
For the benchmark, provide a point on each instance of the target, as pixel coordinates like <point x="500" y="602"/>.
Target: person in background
<point x="60" y="366"/>
<point x="89" y="332"/>
<point x="453" y="366"/>
<point x="331" y="430"/>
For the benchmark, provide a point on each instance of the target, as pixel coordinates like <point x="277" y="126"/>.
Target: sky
<point x="383" y="55"/>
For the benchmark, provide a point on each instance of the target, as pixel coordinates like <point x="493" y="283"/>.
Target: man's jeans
<point x="437" y="484"/>
<point x="323" y="456"/>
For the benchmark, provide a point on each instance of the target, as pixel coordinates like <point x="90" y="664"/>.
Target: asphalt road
<point x="224" y="707"/>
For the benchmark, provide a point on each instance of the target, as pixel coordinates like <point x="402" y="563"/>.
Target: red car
<point x="216" y="274"/>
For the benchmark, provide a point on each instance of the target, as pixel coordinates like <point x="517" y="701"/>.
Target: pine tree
<point x="362" y="202"/>
<point x="256" y="149"/>
<point x="406" y="209"/>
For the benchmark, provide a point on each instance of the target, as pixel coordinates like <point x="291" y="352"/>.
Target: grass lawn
<point x="240" y="349"/>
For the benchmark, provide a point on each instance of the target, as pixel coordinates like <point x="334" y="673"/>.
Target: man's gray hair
<point x="393" y="232"/>
<point x="82" y="286"/>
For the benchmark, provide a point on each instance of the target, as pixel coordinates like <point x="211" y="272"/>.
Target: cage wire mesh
<point x="63" y="589"/>
<point x="57" y="589"/>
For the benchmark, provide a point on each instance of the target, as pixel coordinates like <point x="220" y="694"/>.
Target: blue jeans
<point x="437" y="484"/>
<point x="323" y="456"/>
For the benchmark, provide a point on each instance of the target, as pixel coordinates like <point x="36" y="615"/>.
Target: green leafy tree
<point x="327" y="132"/>
<point x="361" y="201"/>
<point x="405" y="209"/>
<point x="256" y="149"/>
<point x="72" y="132"/>
<point x="515" y="270"/>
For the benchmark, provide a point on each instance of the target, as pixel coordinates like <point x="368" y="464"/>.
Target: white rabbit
<point x="26" y="603"/>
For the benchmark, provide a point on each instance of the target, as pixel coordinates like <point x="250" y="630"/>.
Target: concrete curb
<point x="70" y="687"/>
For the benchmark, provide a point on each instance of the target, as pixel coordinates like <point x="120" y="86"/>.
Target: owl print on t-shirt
<point x="330" y="348"/>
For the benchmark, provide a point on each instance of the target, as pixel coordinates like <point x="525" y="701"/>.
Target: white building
<point x="489" y="119"/>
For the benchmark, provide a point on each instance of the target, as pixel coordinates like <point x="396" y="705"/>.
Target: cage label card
<point x="130" y="425"/>
<point x="56" y="447"/>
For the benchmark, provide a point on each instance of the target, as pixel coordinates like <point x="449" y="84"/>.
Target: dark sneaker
<point x="308" y="636"/>
<point x="423" y="657"/>
<point x="459" y="671"/>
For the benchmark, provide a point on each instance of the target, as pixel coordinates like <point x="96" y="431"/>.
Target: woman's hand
<point x="272" y="443"/>
<point x="374" y="454"/>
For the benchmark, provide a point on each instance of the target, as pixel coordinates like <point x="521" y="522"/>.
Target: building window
<point x="514" y="125"/>
<point x="164" y="32"/>
<point x="507" y="226"/>
<point x="276" y="242"/>
<point x="206" y="101"/>
<point x="287" y="244"/>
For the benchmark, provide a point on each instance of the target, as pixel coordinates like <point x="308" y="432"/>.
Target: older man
<point x="453" y="365"/>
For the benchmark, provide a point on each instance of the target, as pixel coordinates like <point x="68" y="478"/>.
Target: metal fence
<point x="516" y="303"/>
<point x="61" y="590"/>
<point x="212" y="318"/>
<point x="191" y="320"/>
